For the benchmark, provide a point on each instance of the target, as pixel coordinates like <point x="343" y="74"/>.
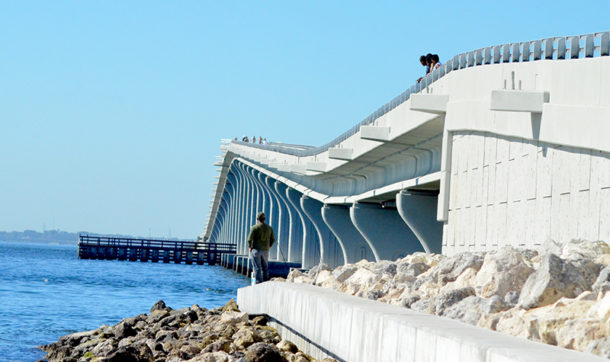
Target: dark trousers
<point x="259" y="263"/>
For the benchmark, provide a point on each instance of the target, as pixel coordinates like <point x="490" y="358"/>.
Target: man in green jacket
<point x="260" y="239"/>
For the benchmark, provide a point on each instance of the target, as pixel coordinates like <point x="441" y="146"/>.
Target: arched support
<point x="267" y="208"/>
<point x="295" y="226"/>
<point x="384" y="230"/>
<point x="283" y="221"/>
<point x="418" y="210"/>
<point x="331" y="251"/>
<point x="311" y="245"/>
<point x="338" y="220"/>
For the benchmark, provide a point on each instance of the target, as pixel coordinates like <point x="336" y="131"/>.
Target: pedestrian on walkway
<point x="260" y="239"/>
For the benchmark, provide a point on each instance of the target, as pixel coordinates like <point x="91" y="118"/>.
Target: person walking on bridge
<point x="260" y="239"/>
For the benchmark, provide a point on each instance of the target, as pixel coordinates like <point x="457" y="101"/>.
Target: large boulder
<point x="262" y="352"/>
<point x="470" y="309"/>
<point x="555" y="278"/>
<point x="502" y="271"/>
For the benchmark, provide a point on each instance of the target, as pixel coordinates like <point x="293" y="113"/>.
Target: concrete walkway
<point x="324" y="322"/>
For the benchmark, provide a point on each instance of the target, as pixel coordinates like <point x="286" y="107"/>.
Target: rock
<point x="323" y="276"/>
<point x="579" y="333"/>
<point x="160" y="305"/>
<point x="601" y="308"/>
<point x="502" y="271"/>
<point x="313" y="272"/>
<point x="471" y="309"/>
<point x="554" y="279"/>
<point x="233" y="317"/>
<point x="511" y="298"/>
<point x="343" y="273"/>
<point x="222" y="344"/>
<point x="444" y="301"/>
<point x="581" y="249"/>
<point x="123" y="330"/>
<point x="293" y="274"/>
<point x="156" y="315"/>
<point x="600" y="347"/>
<point x="287" y="346"/>
<point x="383" y="267"/>
<point x="231" y="306"/>
<point x="219" y="356"/>
<point x="262" y="352"/>
<point x="406" y="272"/>
<point x="260" y="320"/>
<point x="245" y="337"/>
<point x="602" y="283"/>
<point x="361" y="277"/>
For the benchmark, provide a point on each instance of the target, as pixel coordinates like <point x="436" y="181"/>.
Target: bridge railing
<point x="557" y="48"/>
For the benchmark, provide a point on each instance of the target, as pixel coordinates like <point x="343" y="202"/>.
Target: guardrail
<point x="557" y="48"/>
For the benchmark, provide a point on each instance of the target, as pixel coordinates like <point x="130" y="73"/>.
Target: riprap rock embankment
<point x="194" y="334"/>
<point x="558" y="295"/>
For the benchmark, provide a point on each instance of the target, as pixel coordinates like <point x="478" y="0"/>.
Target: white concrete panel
<point x="544" y="174"/>
<point x="501" y="189"/>
<point x="490" y="150"/>
<point x="583" y="173"/>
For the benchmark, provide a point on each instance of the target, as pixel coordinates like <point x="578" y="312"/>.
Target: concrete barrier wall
<point x="512" y="191"/>
<point x="349" y="328"/>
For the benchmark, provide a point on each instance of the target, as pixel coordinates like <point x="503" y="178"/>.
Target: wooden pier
<point x="144" y="250"/>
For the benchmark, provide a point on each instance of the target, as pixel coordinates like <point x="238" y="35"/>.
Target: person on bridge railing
<point x="425" y="63"/>
<point x="260" y="240"/>
<point x="434" y="62"/>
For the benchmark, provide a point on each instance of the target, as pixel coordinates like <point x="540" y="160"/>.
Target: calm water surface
<point x="46" y="292"/>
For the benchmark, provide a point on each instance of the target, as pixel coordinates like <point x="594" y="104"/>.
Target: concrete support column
<point x="283" y="221"/>
<point x="418" y="210"/>
<point x="338" y="220"/>
<point x="385" y="231"/>
<point x="248" y="206"/>
<point x="311" y="244"/>
<point x="273" y="217"/>
<point x="331" y="251"/>
<point x="266" y="206"/>
<point x="295" y="226"/>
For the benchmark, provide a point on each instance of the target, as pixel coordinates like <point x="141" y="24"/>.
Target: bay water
<point x="47" y="292"/>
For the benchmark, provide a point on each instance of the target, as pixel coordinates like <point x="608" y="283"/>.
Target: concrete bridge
<point x="505" y="145"/>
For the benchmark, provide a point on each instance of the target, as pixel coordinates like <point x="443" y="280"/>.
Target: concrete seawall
<point x="323" y="323"/>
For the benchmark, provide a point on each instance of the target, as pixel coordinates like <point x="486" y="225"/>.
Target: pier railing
<point x="155" y="250"/>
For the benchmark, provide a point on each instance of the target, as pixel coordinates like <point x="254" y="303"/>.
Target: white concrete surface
<point x="511" y="191"/>
<point x="356" y="329"/>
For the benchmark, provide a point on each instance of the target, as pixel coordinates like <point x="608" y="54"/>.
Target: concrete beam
<point x="430" y="103"/>
<point x="418" y="210"/>
<point x="385" y="231"/>
<point x="332" y="251"/>
<point x="518" y="101"/>
<point x="340" y="153"/>
<point x="338" y="221"/>
<point x="300" y="169"/>
<point x="375" y="133"/>
<point x="316" y="166"/>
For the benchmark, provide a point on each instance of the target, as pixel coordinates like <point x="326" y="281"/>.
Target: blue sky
<point x="111" y="112"/>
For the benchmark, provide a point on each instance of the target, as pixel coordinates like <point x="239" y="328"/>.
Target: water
<point x="47" y="292"/>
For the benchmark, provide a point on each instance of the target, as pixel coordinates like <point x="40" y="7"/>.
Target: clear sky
<point x="111" y="112"/>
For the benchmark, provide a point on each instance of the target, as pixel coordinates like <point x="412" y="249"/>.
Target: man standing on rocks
<point x="261" y="238"/>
